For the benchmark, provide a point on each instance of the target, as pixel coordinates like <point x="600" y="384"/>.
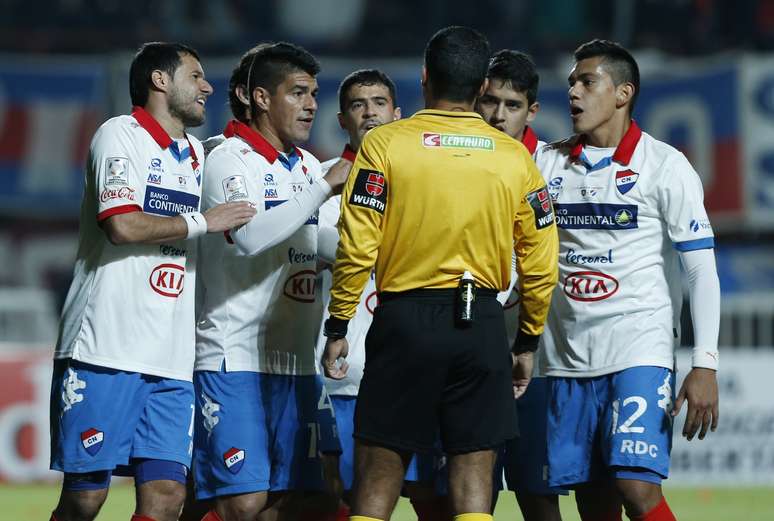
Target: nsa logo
<point x="92" y="440"/>
<point x="234" y="459"/>
<point x="625" y="180"/>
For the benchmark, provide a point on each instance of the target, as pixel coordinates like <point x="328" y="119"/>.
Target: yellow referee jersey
<point x="439" y="193"/>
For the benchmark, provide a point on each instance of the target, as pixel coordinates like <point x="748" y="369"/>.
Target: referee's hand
<point x="337" y="175"/>
<point x="334" y="358"/>
<point x="522" y="372"/>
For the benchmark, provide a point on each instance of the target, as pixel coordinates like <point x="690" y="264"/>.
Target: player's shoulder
<point x="657" y="153"/>
<point x="561" y="147"/>
<point x="309" y="159"/>
<point x="326" y="165"/>
<point x="118" y="129"/>
<point x="228" y="151"/>
<point x="211" y="142"/>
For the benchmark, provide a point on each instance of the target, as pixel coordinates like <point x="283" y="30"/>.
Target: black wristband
<point x="525" y="343"/>
<point x="335" y="328"/>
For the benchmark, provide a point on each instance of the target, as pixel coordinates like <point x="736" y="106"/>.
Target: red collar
<point x="623" y="152"/>
<point x="530" y="140"/>
<point x="157" y="132"/>
<point x="255" y="140"/>
<point x="348" y="153"/>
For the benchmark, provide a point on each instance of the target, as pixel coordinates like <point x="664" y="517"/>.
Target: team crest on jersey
<point x="92" y="440"/>
<point x="234" y="459"/>
<point x="625" y="180"/>
<point x="370" y="190"/>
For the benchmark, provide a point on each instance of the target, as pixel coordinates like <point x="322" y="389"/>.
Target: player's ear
<point x="423" y="78"/>
<point x="262" y="99"/>
<point x="241" y="94"/>
<point x="396" y="113"/>
<point x="532" y="111"/>
<point x="623" y="94"/>
<point x="483" y="87"/>
<point x="160" y="80"/>
<point x="340" y="117"/>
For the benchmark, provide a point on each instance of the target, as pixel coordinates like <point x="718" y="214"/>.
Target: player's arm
<point x="682" y="207"/>
<point x="536" y="245"/>
<point x="120" y="214"/>
<point x="360" y="235"/>
<point x="327" y="232"/>
<point x="270" y="228"/>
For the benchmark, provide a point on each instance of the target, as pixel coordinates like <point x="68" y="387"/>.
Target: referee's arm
<point x="363" y="203"/>
<point x="537" y="251"/>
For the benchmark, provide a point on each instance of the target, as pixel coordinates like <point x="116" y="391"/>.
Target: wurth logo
<point x="375" y="184"/>
<point x="167" y="280"/>
<point x="589" y="286"/>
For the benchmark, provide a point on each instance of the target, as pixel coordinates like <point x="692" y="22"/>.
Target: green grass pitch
<point x="34" y="502"/>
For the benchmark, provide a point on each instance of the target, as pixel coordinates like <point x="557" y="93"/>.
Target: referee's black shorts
<point x="424" y="375"/>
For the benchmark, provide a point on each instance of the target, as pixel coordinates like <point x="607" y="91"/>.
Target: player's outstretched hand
<point x="700" y="389"/>
<point x="228" y="215"/>
<point x="337" y="175"/>
<point x="334" y="358"/>
<point x="522" y="372"/>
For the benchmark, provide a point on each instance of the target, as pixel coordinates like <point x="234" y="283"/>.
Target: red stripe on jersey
<point x="118" y="210"/>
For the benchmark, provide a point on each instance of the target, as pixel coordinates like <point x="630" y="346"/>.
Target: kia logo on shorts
<point x="167" y="280"/>
<point x="371" y="302"/>
<point x="589" y="286"/>
<point x="300" y="287"/>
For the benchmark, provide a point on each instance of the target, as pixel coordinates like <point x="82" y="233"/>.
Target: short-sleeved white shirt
<point x="621" y="224"/>
<point x="258" y="313"/>
<point x="131" y="307"/>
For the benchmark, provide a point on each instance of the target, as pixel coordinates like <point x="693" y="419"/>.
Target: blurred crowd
<point x="385" y="28"/>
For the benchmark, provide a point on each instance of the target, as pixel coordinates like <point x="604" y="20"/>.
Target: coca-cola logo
<point x="371" y="302"/>
<point x="589" y="286"/>
<point x="300" y="286"/>
<point x="117" y="193"/>
<point x="167" y="280"/>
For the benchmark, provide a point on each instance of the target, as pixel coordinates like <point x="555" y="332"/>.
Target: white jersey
<point x="131" y="307"/>
<point x="361" y="322"/>
<point x="258" y="313"/>
<point x="621" y="223"/>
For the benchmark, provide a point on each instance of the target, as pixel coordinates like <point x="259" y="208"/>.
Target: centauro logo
<point x="431" y="139"/>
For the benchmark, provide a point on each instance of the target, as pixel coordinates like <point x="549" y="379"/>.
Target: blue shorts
<point x="431" y="469"/>
<point x="102" y="418"/>
<point x="616" y="425"/>
<point x="526" y="462"/>
<point x="344" y="406"/>
<point x="257" y="432"/>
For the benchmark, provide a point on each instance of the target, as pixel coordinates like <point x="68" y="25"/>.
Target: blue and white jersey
<point x="258" y="312"/>
<point x="622" y="217"/>
<point x="131" y="307"/>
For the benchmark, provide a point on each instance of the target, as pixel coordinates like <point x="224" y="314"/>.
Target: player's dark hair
<point x="365" y="77"/>
<point x="518" y="69"/>
<point x="163" y="56"/>
<point x="239" y="77"/>
<point x="456" y="59"/>
<point x="272" y="62"/>
<point x="618" y="62"/>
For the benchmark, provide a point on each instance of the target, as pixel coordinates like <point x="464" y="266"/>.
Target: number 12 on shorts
<point x="626" y="426"/>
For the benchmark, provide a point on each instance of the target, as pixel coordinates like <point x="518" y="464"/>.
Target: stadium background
<point x="708" y="88"/>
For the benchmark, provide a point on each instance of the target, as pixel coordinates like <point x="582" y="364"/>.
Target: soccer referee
<point x="429" y="198"/>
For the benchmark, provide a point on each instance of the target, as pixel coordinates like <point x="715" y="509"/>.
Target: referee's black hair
<point x="518" y="69"/>
<point x="366" y="77"/>
<point x="151" y="56"/>
<point x="618" y="62"/>
<point x="272" y="62"/>
<point x="456" y="59"/>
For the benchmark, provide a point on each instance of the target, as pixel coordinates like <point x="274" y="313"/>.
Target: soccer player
<point x="262" y="416"/>
<point x="121" y="396"/>
<point x="629" y="210"/>
<point x="367" y="99"/>
<point x="432" y="197"/>
<point x="509" y="104"/>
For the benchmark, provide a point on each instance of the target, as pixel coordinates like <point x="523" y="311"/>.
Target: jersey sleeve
<point x="681" y="202"/>
<point x="363" y="204"/>
<point x="115" y="174"/>
<point x="536" y="244"/>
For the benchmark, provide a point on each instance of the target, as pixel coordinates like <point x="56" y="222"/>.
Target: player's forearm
<point x="276" y="225"/>
<point x="704" y="296"/>
<point x="327" y="242"/>
<point x="142" y="228"/>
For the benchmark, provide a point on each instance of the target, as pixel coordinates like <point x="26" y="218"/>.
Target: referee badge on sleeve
<point x="370" y="190"/>
<point x="541" y="205"/>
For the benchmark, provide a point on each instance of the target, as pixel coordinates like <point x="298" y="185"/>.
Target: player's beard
<point x="186" y="110"/>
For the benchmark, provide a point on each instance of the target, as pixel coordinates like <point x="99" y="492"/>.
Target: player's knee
<point x="161" y="500"/>
<point x="243" y="507"/>
<point x="638" y="497"/>
<point x="81" y="505"/>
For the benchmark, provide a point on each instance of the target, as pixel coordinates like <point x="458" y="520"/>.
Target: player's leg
<point x="638" y="444"/>
<point x="94" y="411"/>
<point x="231" y="455"/>
<point x="525" y="457"/>
<point x="598" y="501"/>
<point x="477" y="392"/>
<point x="193" y="510"/>
<point x="422" y="486"/>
